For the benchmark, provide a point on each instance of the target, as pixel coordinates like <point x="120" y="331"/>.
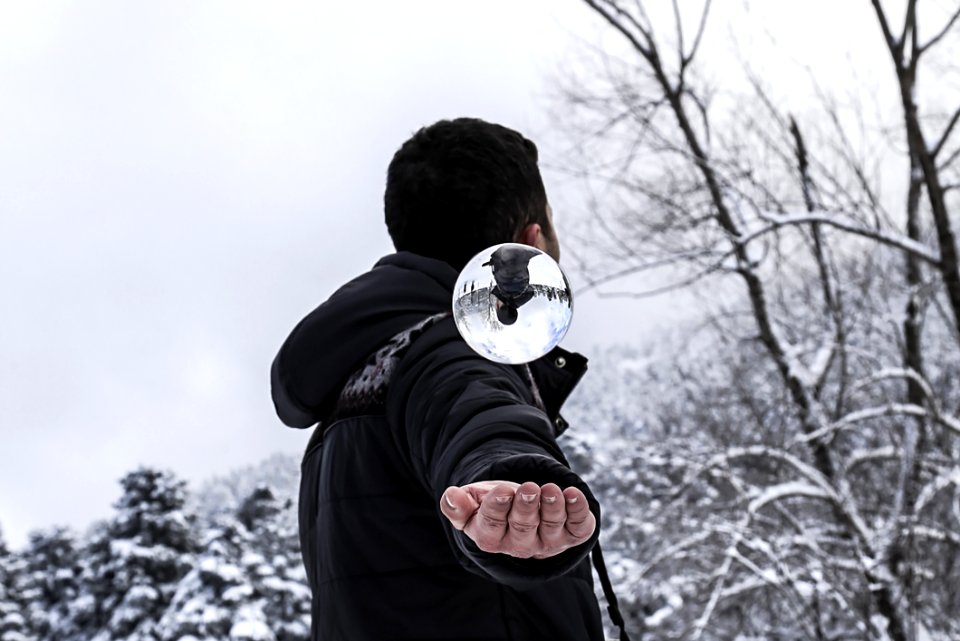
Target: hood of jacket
<point x="336" y="338"/>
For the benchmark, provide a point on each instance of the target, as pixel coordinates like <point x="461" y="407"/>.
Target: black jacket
<point x="406" y="409"/>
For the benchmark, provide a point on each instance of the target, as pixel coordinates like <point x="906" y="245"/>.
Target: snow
<point x="237" y="594"/>
<point x="820" y="362"/>
<point x="251" y="631"/>
<point x="631" y="366"/>
<point x="784" y="490"/>
<point x="226" y="572"/>
<point x="142" y="593"/>
<point x="881" y="626"/>
<point x="274" y="583"/>
<point x="840" y="221"/>
<point x="13" y="620"/>
<point x="252" y="558"/>
<point x="122" y="547"/>
<point x="659" y="616"/>
<point x="230" y="572"/>
<point x="213" y="614"/>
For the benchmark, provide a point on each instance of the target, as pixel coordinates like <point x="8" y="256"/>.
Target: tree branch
<point x="641" y="49"/>
<point x="935" y="486"/>
<point x="890" y="409"/>
<point x="700" y="29"/>
<point x="680" y="55"/>
<point x="943" y="32"/>
<point x="787" y="490"/>
<point x="946" y="134"/>
<point x="895" y="46"/>
<point x="910" y="31"/>
<point x="893" y="372"/>
<point x="900" y="242"/>
<point x="949" y="161"/>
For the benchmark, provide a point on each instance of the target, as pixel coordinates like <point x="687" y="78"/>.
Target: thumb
<point x="458" y="506"/>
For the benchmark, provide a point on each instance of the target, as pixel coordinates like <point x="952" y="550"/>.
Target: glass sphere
<point x="512" y="303"/>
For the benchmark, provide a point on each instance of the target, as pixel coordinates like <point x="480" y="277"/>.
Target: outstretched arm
<point x="473" y="433"/>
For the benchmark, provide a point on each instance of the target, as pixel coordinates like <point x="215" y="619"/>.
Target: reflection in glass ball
<point x="512" y="303"/>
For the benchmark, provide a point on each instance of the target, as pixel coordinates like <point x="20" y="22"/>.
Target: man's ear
<point x="532" y="235"/>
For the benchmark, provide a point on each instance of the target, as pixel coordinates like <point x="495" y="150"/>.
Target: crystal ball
<point x="512" y="303"/>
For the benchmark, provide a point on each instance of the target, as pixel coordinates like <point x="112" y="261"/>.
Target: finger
<point x="523" y="520"/>
<point x="480" y="489"/>
<point x="553" y="517"/>
<point x="580" y="520"/>
<point x="458" y="506"/>
<point x="489" y="526"/>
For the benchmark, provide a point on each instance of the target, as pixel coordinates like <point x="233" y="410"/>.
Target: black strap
<point x="612" y="606"/>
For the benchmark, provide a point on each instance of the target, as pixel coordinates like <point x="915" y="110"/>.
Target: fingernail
<point x="573" y="499"/>
<point x="449" y="502"/>
<point x="549" y="499"/>
<point x="528" y="498"/>
<point x="503" y="499"/>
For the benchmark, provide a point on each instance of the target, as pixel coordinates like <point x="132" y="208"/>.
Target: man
<point x="435" y="502"/>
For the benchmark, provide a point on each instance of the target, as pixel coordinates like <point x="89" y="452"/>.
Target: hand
<point x="525" y="521"/>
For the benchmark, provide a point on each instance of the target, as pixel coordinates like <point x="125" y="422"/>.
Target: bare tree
<point x="838" y="509"/>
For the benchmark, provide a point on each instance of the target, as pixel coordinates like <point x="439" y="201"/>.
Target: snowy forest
<point x="789" y="466"/>
<point x="781" y="464"/>
<point x="221" y="563"/>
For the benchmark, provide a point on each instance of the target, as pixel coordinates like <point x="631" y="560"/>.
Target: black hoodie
<point x="406" y="409"/>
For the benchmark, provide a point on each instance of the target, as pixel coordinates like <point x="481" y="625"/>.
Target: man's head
<point x="507" y="314"/>
<point x="460" y="186"/>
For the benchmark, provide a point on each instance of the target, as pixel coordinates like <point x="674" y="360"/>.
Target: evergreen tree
<point x="259" y="508"/>
<point x="209" y="597"/>
<point x="222" y="496"/>
<point x="14" y="625"/>
<point x="248" y="582"/>
<point x="133" y="563"/>
<point x="274" y="566"/>
<point x="52" y="565"/>
<point x="140" y="576"/>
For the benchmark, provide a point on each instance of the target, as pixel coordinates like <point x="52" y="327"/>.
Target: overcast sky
<point x="180" y="182"/>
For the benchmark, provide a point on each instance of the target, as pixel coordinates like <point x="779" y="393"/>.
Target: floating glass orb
<point x="512" y="303"/>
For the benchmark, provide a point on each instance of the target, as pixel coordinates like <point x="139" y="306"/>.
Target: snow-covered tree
<point x="14" y="624"/>
<point x="260" y="498"/>
<point x="52" y="565"/>
<point x="209" y="597"/>
<point x="221" y="496"/>
<point x="274" y="565"/>
<point x="247" y="581"/>
<point x="798" y="474"/>
<point x="133" y="562"/>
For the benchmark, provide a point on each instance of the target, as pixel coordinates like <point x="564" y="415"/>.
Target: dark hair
<point x="459" y="186"/>
<point x="507" y="314"/>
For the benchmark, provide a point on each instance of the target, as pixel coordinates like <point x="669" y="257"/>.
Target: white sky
<point x="180" y="182"/>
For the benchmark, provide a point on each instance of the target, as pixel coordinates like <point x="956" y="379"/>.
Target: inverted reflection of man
<point x="511" y="271"/>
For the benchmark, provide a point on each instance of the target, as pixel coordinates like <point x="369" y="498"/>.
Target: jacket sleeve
<point x="464" y="419"/>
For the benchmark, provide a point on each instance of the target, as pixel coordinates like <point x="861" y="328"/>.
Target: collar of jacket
<point x="557" y="374"/>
